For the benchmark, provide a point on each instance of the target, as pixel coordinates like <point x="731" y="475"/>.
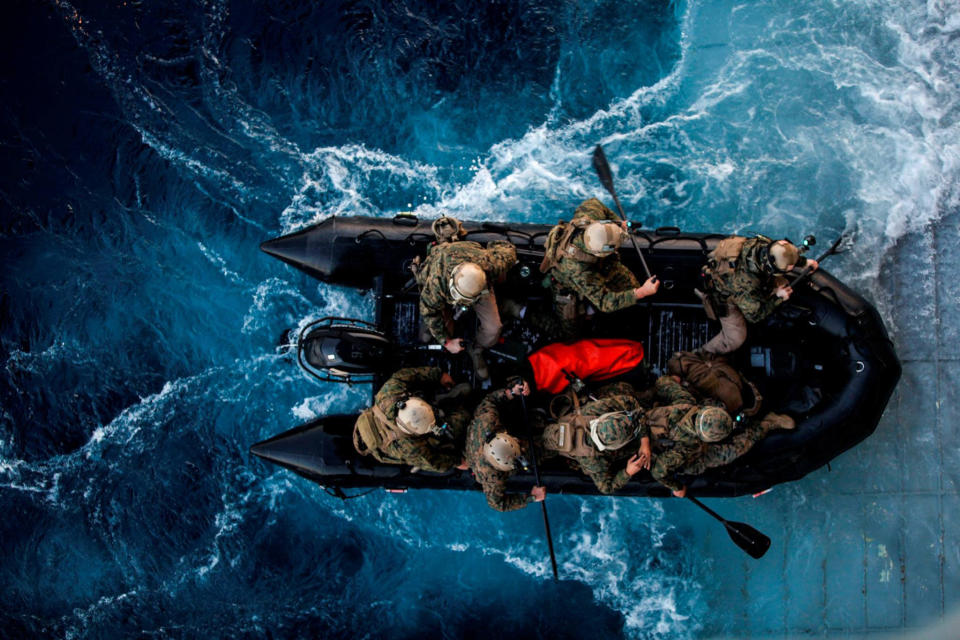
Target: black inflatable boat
<point x="824" y="357"/>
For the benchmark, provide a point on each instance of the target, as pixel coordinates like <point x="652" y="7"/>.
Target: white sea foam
<point x="77" y="625"/>
<point x="337" y="181"/>
<point x="891" y="126"/>
<point x="274" y="301"/>
<point x="213" y="257"/>
<point x="610" y="547"/>
<point x="337" y="398"/>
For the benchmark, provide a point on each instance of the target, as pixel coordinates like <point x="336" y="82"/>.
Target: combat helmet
<point x="415" y="417"/>
<point x="502" y="451"/>
<point x="602" y="238"/>
<point x="783" y="255"/>
<point x="467" y="283"/>
<point x="713" y="424"/>
<point x="613" y="430"/>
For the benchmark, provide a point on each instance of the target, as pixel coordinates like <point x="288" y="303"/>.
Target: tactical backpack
<point x="712" y="376"/>
<point x="721" y="265"/>
<point x="373" y="432"/>
<point x="559" y="244"/>
<point x="660" y="428"/>
<point x="723" y="260"/>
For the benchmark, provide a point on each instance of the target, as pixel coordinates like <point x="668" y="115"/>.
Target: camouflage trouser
<point x="733" y="332"/>
<point x="448" y="323"/>
<point x="723" y="453"/>
<point x="488" y="316"/>
<point x="570" y="308"/>
<point x="457" y="421"/>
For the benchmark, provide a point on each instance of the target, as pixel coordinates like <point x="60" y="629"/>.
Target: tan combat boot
<point x="479" y="364"/>
<point x="512" y="309"/>
<point x="773" y="421"/>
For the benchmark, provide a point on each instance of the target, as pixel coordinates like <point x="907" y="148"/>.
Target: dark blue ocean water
<point x="148" y="147"/>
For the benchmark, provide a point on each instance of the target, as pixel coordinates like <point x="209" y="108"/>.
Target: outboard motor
<point x="342" y="350"/>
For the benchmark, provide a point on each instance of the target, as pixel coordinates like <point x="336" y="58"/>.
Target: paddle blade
<point x="602" y="168"/>
<point x="747" y="538"/>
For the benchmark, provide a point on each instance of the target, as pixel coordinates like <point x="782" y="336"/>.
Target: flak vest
<point x="570" y="435"/>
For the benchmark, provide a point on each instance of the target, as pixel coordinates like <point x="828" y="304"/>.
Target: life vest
<point x="373" y="432"/>
<point x="559" y="245"/>
<point x="589" y="359"/>
<point x="714" y="377"/>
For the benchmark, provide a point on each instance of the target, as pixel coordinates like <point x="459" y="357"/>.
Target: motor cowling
<point x="342" y="350"/>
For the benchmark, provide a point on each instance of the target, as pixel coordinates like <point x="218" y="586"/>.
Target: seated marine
<point x="402" y="427"/>
<point x="494" y="454"/>
<point x="745" y="282"/>
<point x="596" y="436"/>
<point x="689" y="438"/>
<point x="581" y="259"/>
<point x="457" y="275"/>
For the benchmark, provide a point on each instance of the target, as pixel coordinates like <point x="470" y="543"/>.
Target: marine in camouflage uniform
<point x="743" y="285"/>
<point x="578" y="277"/>
<point x="677" y="448"/>
<point x="428" y="452"/>
<point x="608" y="468"/>
<point x="436" y="301"/>
<point x="487" y="420"/>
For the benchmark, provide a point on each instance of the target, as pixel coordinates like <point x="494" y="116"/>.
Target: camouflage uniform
<point x="677" y="450"/>
<point x="487" y="420"/>
<point x="740" y="288"/>
<point x="434" y="279"/>
<point x="427" y="452"/>
<point x="578" y="277"/>
<point x="608" y="469"/>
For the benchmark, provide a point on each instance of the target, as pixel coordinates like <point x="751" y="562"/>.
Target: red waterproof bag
<point x="591" y="359"/>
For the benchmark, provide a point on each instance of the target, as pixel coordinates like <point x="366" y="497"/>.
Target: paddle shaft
<point x="606" y="178"/>
<point x="826" y="254"/>
<point x="707" y="509"/>
<point x="536" y="475"/>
